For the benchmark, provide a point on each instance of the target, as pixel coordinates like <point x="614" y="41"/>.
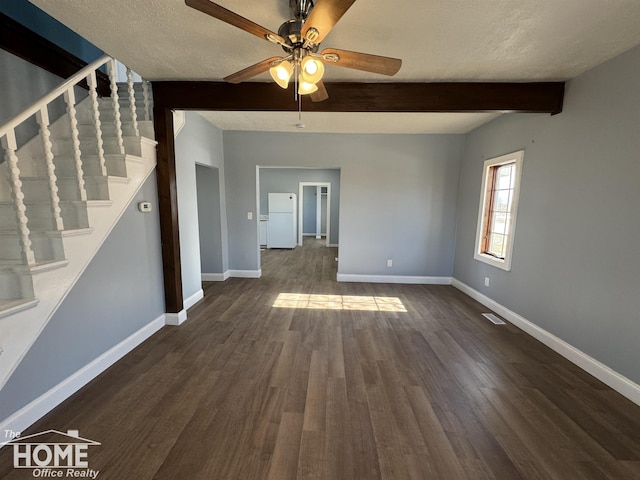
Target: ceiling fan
<point x="300" y="38"/>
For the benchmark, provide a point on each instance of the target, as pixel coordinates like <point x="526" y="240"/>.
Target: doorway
<point x="209" y="222"/>
<point x="314" y="210"/>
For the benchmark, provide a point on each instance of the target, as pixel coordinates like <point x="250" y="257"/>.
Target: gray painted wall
<point x="209" y="219"/>
<point x="288" y="179"/>
<point x="21" y="84"/>
<point x="576" y="260"/>
<point x="198" y="142"/>
<point x="120" y="292"/>
<point x="397" y="196"/>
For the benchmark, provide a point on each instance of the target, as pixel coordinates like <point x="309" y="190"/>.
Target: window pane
<point x="501" y="201"/>
<point x="499" y="222"/>
<point x="496" y="245"/>
<point x="504" y="177"/>
<point x="510" y="201"/>
<point x="507" y="224"/>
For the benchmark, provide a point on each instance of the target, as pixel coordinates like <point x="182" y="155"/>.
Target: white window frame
<point x="505" y="264"/>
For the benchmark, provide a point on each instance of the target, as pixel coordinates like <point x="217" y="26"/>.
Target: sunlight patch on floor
<point x="339" y="302"/>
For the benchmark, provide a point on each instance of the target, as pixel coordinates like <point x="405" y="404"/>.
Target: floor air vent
<point x="493" y="319"/>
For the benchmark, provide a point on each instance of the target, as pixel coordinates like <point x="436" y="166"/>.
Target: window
<point x="498" y="207"/>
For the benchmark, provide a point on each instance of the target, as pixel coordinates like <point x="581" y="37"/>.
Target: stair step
<point x="87" y="130"/>
<point x="40" y="218"/>
<point x="116" y="164"/>
<point x="14" y="283"/>
<point x="46" y="245"/>
<point x="137" y="87"/>
<point x="36" y="189"/>
<point x="36" y="268"/>
<point x="107" y="118"/>
<point x="11" y="307"/>
<point x="89" y="146"/>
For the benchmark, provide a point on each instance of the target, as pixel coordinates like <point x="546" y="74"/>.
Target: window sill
<point x="496" y="262"/>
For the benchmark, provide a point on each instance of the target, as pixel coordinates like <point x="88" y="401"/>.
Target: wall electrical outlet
<point x="249" y="215"/>
<point x="389" y="263"/>
<point x="486" y="281"/>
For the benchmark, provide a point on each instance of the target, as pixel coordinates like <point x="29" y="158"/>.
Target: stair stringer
<point x="51" y="283"/>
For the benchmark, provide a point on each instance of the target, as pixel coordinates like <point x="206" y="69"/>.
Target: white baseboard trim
<point x="31" y="413"/>
<point x="333" y="245"/>
<point x="221" y="277"/>
<point x="407" y="279"/>
<point x="245" y="273"/>
<point x="618" y="382"/>
<point x="175" y="319"/>
<point x="193" y="299"/>
<point x="215" y="277"/>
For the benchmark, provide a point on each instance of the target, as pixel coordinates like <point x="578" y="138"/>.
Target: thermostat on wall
<point x="144" y="206"/>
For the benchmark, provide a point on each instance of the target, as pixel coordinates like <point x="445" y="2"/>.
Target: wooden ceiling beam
<point x="460" y="97"/>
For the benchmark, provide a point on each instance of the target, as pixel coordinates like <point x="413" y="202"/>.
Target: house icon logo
<point x="54" y="454"/>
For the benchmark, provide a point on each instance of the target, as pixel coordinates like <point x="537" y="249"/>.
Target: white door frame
<point x="301" y="186"/>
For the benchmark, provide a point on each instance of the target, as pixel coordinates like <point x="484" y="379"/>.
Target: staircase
<point x="61" y="193"/>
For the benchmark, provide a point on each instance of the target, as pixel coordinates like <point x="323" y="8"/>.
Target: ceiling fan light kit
<point x="281" y="73"/>
<point x="300" y="38"/>
<point x="305" y="88"/>
<point x="312" y="69"/>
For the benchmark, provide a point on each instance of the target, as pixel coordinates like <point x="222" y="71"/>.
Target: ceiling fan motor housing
<point x="290" y="31"/>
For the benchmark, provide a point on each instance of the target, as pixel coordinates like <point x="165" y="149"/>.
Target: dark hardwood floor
<point x="345" y="381"/>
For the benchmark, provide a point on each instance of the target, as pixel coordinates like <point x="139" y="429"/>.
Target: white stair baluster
<point x="95" y="110"/>
<point x="116" y="104"/>
<point x="147" y="104"/>
<point x="70" y="100"/>
<point x="10" y="146"/>
<point x="43" y="120"/>
<point x="132" y="102"/>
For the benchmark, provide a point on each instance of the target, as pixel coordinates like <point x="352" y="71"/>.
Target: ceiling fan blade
<point x="320" y="94"/>
<point x="324" y="15"/>
<point x="227" y="16"/>
<point x="361" y="61"/>
<point x="252" y="71"/>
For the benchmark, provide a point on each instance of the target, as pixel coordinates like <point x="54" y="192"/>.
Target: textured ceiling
<point x="454" y="40"/>
<point x="317" y="122"/>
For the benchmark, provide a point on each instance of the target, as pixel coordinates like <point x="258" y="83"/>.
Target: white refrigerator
<point x="281" y="232"/>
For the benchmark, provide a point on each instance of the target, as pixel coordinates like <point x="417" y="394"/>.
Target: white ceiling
<point x="438" y="40"/>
